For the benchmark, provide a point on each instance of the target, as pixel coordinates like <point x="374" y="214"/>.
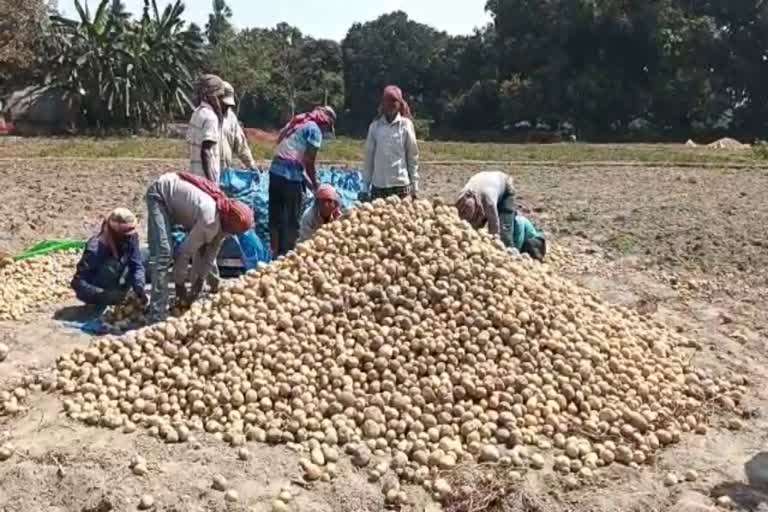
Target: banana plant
<point x="131" y="74"/>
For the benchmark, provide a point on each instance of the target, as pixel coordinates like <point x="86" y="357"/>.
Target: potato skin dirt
<point x="688" y="242"/>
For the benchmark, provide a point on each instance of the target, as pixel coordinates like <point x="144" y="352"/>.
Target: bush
<point x="760" y="149"/>
<point x="423" y="128"/>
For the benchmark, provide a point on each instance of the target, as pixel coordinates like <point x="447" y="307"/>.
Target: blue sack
<point x="252" y="188"/>
<point x="252" y="250"/>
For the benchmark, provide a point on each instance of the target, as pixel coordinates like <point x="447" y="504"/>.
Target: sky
<point x="329" y="19"/>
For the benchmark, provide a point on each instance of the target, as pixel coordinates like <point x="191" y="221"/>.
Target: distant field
<point x="346" y="149"/>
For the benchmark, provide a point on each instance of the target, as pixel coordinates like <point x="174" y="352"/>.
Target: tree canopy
<point x="22" y="26"/>
<point x="608" y="68"/>
<point x="130" y="73"/>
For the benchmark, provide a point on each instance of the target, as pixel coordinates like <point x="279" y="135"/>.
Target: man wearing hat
<point x="233" y="139"/>
<point x="204" y="130"/>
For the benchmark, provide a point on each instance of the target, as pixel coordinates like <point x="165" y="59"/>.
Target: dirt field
<point x="686" y="245"/>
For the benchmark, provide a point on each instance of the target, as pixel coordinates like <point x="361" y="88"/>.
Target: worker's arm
<point x="310" y="157"/>
<point x="207" y="157"/>
<point x="211" y="136"/>
<point x="204" y="265"/>
<point x="189" y="249"/>
<point x="313" y="139"/>
<point x="509" y="195"/>
<point x="242" y="149"/>
<point x="370" y="158"/>
<point x="490" y="209"/>
<point x="87" y="266"/>
<point x="136" y="271"/>
<point x="412" y="157"/>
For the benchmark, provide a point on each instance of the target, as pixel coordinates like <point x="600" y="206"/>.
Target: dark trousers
<point x="109" y="287"/>
<point x="286" y="198"/>
<point x="383" y="193"/>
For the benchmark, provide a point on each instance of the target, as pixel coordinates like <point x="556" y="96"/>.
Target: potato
<point x="403" y="335"/>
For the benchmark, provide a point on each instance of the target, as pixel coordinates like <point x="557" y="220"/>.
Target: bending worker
<point x="233" y="139"/>
<point x="391" y="150"/>
<point x="325" y="209"/>
<point x="203" y="210"/>
<point x="111" y="263"/>
<point x="484" y="197"/>
<point x="292" y="171"/>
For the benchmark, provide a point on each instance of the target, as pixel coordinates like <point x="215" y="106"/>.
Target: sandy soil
<point x="684" y="245"/>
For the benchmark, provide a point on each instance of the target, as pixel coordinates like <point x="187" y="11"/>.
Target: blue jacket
<point x="89" y="276"/>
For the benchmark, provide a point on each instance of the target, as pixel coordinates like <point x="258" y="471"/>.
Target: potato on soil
<point x="404" y="335"/>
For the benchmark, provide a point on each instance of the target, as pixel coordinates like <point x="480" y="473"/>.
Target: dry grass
<point x="347" y="149"/>
<point x="492" y="488"/>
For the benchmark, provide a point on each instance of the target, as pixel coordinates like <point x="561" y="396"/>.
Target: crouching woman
<point x="111" y="263"/>
<point x="519" y="232"/>
<point x="325" y="209"/>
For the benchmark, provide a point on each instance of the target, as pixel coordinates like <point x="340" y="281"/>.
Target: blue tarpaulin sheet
<point x="252" y="247"/>
<point x="252" y="188"/>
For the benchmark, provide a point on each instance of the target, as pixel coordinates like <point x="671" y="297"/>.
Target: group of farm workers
<point x="112" y="262"/>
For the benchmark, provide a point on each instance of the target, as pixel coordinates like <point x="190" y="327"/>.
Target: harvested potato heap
<point x="131" y="313"/>
<point x="405" y="335"/>
<point x="41" y="281"/>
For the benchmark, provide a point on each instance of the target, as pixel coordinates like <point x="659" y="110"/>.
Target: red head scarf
<point x="321" y="115"/>
<point x="328" y="193"/>
<point x="236" y="217"/>
<point x="469" y="208"/>
<point x="393" y="92"/>
<point x="120" y="223"/>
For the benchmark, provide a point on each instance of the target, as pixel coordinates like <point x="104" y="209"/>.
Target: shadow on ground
<point x="752" y="495"/>
<point x="80" y="313"/>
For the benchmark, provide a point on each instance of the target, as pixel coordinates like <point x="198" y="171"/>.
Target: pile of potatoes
<point x="412" y="343"/>
<point x="131" y="313"/>
<point x="29" y="284"/>
<point x="122" y="316"/>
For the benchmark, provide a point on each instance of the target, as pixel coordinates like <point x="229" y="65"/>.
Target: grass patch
<point x="347" y="149"/>
<point x="623" y="244"/>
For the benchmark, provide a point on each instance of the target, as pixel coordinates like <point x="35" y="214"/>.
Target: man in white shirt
<point x="233" y="139"/>
<point x="207" y="215"/>
<point x="391" y="151"/>
<point x="485" y="197"/>
<point x="204" y="131"/>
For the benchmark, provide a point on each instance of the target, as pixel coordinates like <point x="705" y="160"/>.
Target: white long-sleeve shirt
<point x="234" y="143"/>
<point x="391" y="154"/>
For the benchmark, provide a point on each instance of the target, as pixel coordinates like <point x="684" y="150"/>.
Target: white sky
<point x="328" y="19"/>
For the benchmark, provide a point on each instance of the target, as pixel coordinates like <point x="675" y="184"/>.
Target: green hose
<point x="49" y="246"/>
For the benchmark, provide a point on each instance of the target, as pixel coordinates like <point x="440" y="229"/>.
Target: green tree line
<point x="607" y="69"/>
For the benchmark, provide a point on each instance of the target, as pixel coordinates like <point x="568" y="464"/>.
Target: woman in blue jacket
<point x="111" y="263"/>
<point x="519" y="232"/>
